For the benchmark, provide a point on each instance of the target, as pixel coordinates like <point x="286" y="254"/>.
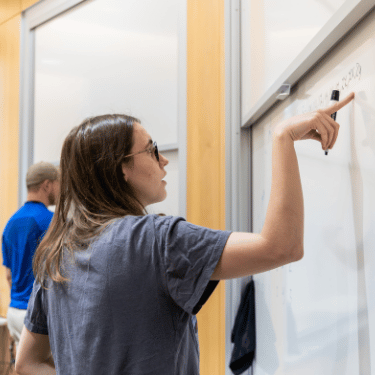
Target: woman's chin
<point x="160" y="199"/>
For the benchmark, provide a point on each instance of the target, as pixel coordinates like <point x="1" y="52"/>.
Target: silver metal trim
<point x="46" y="10"/>
<point x="238" y="157"/>
<point x="338" y="26"/>
<point x="31" y="18"/>
<point x="229" y="56"/>
<point x="181" y="107"/>
<point x="238" y="161"/>
<point x="26" y="112"/>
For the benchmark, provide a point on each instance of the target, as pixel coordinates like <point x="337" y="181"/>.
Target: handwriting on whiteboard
<point x="348" y="80"/>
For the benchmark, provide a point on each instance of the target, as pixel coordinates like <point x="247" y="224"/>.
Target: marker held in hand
<point x="334" y="98"/>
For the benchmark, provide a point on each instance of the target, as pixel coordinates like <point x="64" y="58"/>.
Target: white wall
<point x="106" y="56"/>
<point x="110" y="56"/>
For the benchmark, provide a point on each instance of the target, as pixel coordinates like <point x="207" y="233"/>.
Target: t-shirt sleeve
<point x="36" y="317"/>
<point x="6" y="260"/>
<point x="189" y="254"/>
<point x="43" y="225"/>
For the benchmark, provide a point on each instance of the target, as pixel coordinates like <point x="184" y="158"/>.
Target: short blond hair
<point x="38" y="173"/>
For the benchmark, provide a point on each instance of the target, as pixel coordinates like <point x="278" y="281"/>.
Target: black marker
<point x="334" y="98"/>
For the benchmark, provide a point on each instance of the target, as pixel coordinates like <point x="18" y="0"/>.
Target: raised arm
<point x="281" y="239"/>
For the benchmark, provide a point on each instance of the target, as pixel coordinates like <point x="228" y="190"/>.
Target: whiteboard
<point x="281" y="41"/>
<point x="110" y="56"/>
<point x="106" y="56"/>
<point x="317" y="316"/>
<point x="273" y="34"/>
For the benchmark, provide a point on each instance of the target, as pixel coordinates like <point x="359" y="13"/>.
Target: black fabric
<point x="212" y="284"/>
<point x="243" y="333"/>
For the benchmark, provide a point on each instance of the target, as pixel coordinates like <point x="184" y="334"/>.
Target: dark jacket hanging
<point x="243" y="333"/>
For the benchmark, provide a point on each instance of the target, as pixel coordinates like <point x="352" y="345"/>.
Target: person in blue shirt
<point x="21" y="237"/>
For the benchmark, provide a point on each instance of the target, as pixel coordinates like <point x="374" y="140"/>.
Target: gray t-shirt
<point x="130" y="303"/>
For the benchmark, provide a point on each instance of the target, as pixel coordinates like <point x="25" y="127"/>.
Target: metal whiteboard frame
<point x="349" y="14"/>
<point x="43" y="12"/>
<point x="238" y="179"/>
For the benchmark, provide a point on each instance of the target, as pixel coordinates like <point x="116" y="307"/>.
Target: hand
<point x="317" y="125"/>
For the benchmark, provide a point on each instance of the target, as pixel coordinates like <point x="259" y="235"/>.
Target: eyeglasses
<point x="151" y="149"/>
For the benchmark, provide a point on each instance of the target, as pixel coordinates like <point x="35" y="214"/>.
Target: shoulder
<point x="160" y="228"/>
<point x="42" y="210"/>
<point x="8" y="227"/>
<point x="147" y="226"/>
<point x="18" y="214"/>
<point x="136" y="224"/>
<point x="32" y="211"/>
<point x="20" y="219"/>
<point x="42" y="216"/>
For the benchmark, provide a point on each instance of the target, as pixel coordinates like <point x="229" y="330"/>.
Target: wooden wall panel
<point x="9" y="9"/>
<point x="9" y="118"/>
<point x="28" y="3"/>
<point x="206" y="155"/>
<point x="5" y="352"/>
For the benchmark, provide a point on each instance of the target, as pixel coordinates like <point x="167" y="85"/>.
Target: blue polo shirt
<point x="21" y="236"/>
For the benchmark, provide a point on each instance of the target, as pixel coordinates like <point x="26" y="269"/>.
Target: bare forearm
<point x="44" y="368"/>
<point x="284" y="222"/>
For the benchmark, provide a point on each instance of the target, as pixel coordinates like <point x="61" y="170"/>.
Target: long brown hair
<point x="93" y="190"/>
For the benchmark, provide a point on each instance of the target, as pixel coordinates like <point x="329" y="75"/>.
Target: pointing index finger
<point x="337" y="106"/>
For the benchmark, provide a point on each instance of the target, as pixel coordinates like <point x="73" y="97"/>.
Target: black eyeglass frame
<point x="153" y="148"/>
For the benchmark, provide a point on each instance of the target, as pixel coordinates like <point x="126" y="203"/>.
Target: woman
<point x="116" y="289"/>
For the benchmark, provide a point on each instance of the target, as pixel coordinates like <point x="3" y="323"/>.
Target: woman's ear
<point x="124" y="172"/>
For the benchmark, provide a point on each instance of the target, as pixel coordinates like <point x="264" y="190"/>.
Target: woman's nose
<point x="163" y="160"/>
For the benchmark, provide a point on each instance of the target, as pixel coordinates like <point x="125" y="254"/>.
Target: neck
<point x="37" y="197"/>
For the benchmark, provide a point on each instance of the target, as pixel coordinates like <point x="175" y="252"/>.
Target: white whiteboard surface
<point x="106" y="56"/>
<point x="272" y="37"/>
<point x="317" y="316"/>
<point x="273" y="34"/>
